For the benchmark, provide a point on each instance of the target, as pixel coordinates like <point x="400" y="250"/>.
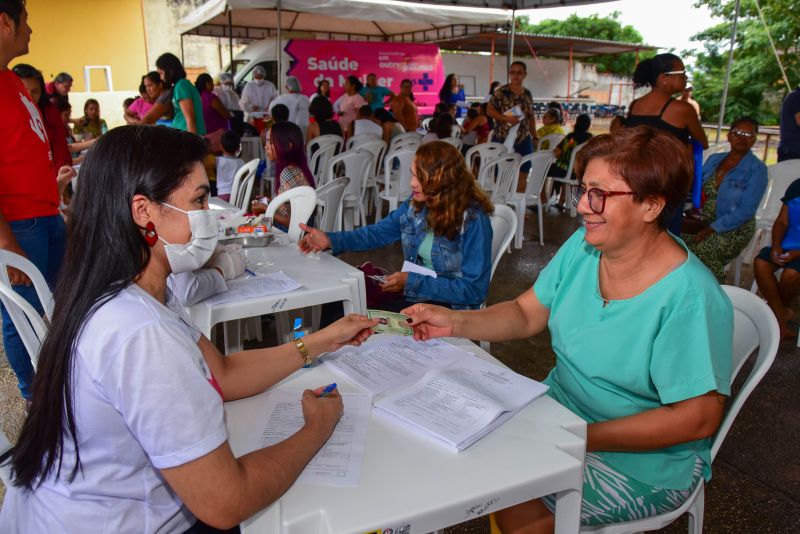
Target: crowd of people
<point x="125" y="422"/>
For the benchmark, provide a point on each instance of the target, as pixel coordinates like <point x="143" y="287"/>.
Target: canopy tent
<point x="355" y="18"/>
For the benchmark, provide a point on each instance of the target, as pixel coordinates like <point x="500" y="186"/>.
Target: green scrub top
<point x="183" y="90"/>
<point x="424" y="251"/>
<point x="670" y="343"/>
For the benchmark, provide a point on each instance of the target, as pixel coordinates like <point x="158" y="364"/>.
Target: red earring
<point x="150" y="234"/>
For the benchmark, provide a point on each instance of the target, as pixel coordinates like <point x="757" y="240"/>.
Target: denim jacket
<point x="740" y="191"/>
<point x="463" y="265"/>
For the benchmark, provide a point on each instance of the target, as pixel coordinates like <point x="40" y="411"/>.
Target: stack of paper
<point x="249" y="287"/>
<point x="458" y="405"/>
<point x="436" y="390"/>
<point x="338" y="462"/>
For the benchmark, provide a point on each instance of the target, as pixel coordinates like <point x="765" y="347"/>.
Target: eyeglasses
<point x="597" y="197"/>
<point x="676" y="73"/>
<point x="742" y="133"/>
<point x="514" y="72"/>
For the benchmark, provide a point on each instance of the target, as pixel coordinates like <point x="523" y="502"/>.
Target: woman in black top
<point x="665" y="74"/>
<point x="322" y="111"/>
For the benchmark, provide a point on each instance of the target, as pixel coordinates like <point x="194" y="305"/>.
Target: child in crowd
<point x="476" y="127"/>
<point x="616" y="123"/>
<point x="280" y="113"/>
<point x="552" y="125"/>
<point x="228" y="164"/>
<point x="563" y="153"/>
<point x="127" y="103"/>
<point x="91" y="125"/>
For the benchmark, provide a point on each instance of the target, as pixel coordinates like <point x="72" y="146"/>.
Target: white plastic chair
<point x="329" y="204"/>
<point x="484" y="152"/>
<point x="540" y="163"/>
<point x="455" y="141"/>
<point x="396" y="183"/>
<point x="492" y="174"/>
<point x="426" y="122"/>
<point x="456" y="131"/>
<point x="319" y="151"/>
<point x="30" y="325"/>
<point x="405" y="138"/>
<point x="553" y="140"/>
<point x="242" y="187"/>
<point x="754" y="326"/>
<point x="377" y="148"/>
<point x="356" y="165"/>
<point x="5" y="453"/>
<point x="357" y="140"/>
<point x="504" y="226"/>
<point x="302" y="201"/>
<point x="569" y="181"/>
<point x="781" y="175"/>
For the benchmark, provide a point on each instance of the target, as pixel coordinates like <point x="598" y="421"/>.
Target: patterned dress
<point x="719" y="249"/>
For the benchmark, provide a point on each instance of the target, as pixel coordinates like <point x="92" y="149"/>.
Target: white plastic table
<point x="325" y="278"/>
<point x="411" y="485"/>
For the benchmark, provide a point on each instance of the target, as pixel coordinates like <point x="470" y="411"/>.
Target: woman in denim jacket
<point x="733" y="184"/>
<point x="444" y="226"/>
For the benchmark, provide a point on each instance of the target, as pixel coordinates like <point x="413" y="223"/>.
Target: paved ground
<point x="756" y="485"/>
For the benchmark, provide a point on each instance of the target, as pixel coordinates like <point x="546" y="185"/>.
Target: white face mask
<point x="226" y="87"/>
<point x="194" y="254"/>
<point x="259" y="81"/>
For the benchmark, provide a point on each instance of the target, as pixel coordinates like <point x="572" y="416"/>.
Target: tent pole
<point x="510" y="56"/>
<point x="278" y="51"/>
<point x="569" y="74"/>
<point x="230" y="39"/>
<point x="724" y="100"/>
<point x="183" y="61"/>
<point x="491" y="63"/>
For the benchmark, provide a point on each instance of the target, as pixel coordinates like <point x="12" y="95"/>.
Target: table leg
<point x="568" y="511"/>
<point x="233" y="341"/>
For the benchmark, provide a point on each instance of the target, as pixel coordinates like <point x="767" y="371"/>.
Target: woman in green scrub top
<point x="641" y="329"/>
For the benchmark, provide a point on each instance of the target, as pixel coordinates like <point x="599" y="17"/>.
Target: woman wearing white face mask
<point x="126" y="429"/>
<point x="226" y="94"/>
<point x="258" y="94"/>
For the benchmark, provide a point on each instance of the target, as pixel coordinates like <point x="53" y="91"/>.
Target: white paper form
<point x="394" y="362"/>
<point x="511" y="136"/>
<point x="458" y="405"/>
<point x="249" y="287"/>
<point x="338" y="462"/>
<point x="409" y="267"/>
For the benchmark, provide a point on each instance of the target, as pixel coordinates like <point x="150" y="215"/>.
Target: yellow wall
<point x="68" y="34"/>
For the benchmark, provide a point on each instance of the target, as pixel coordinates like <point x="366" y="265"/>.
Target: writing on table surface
<point x="479" y="509"/>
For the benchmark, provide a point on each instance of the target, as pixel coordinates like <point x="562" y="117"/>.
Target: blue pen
<point x="251" y="273"/>
<point x="328" y="389"/>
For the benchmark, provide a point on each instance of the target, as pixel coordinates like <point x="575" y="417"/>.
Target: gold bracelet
<point x="303" y="351"/>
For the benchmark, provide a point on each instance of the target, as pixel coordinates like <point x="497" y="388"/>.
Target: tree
<point x="594" y="27"/>
<point x="756" y="86"/>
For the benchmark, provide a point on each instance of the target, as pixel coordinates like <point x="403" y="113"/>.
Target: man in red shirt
<point x="60" y="86"/>
<point x="30" y="224"/>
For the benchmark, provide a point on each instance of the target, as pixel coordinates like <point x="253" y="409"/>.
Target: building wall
<point x="69" y="34"/>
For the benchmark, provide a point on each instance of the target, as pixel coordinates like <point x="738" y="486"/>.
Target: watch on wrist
<point x="303" y="351"/>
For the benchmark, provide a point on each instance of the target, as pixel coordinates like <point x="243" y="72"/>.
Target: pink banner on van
<point x="313" y="61"/>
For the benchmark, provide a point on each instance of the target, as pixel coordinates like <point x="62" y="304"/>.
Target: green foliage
<point x="756" y="87"/>
<point x="594" y="27"/>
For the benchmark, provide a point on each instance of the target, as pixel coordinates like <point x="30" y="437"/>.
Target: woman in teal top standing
<point x="642" y="333"/>
<point x="186" y="102"/>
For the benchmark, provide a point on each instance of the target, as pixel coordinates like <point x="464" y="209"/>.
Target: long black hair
<point x="447" y="89"/>
<point x="24" y="71"/>
<point x="648" y="71"/>
<point x="202" y="81"/>
<point x="106" y="251"/>
<point x="172" y="67"/>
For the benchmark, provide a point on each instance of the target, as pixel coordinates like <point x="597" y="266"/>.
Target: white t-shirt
<point x="226" y="170"/>
<point x="143" y="401"/>
<point x="366" y="126"/>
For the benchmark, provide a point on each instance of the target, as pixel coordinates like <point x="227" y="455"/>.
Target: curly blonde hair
<point x="449" y="187"/>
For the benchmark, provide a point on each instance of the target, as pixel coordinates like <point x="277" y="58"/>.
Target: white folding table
<point x="410" y="485"/>
<point x="325" y="278"/>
